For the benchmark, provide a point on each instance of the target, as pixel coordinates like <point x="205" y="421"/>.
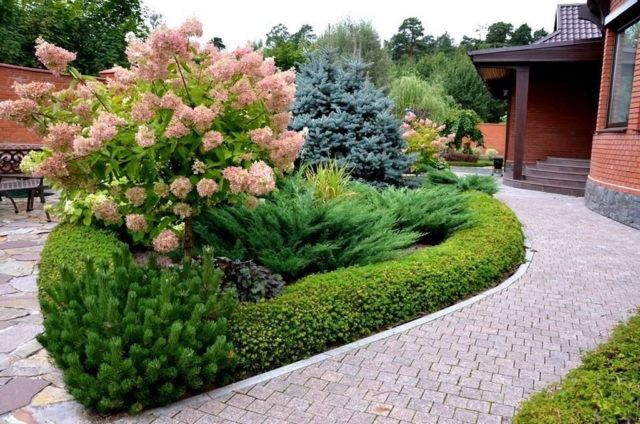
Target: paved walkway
<point x="471" y="366"/>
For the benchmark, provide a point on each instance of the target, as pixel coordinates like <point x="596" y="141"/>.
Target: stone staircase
<point x="553" y="175"/>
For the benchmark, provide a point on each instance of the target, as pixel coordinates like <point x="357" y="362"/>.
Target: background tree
<point x="288" y="50"/>
<point x="540" y="33"/>
<point x="94" y="29"/>
<point x="349" y="120"/>
<point x="409" y="39"/>
<point x="521" y="36"/>
<point x="218" y="43"/>
<point x="359" y="41"/>
<point x="426" y="99"/>
<point x="156" y="19"/>
<point x="498" y="34"/>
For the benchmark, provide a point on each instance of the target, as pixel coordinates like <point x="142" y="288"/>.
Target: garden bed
<point x="329" y="309"/>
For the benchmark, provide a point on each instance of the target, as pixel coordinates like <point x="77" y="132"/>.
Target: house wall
<point x="561" y="112"/>
<point x="11" y="132"/>
<point x="494" y="135"/>
<point x="613" y="187"/>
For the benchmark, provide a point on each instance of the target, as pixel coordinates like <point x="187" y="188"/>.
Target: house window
<point x="622" y="78"/>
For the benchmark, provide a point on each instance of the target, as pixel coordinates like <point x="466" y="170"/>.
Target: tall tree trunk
<point x="187" y="244"/>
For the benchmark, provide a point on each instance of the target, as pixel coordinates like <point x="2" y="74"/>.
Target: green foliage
<point x="464" y="124"/>
<point x="329" y="180"/>
<point x="330" y="309"/>
<point x="498" y="34"/>
<point x="251" y="282"/>
<point x="130" y="337"/>
<point x="289" y="50"/>
<point x="481" y="183"/>
<point x="348" y="120"/>
<point x="409" y="40"/>
<point x="359" y="41"/>
<point x="426" y="99"/>
<point x="103" y="25"/>
<point x="293" y="235"/>
<point x="440" y="176"/>
<point x="605" y="389"/>
<point x="68" y="244"/>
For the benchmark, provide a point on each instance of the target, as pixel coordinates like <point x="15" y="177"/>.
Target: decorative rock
<point x="19" y="392"/>
<point x="16" y="336"/>
<point x="25" y="284"/>
<point x="50" y="395"/>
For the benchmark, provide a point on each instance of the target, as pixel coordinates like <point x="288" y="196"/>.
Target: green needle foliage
<point x="130" y="337"/>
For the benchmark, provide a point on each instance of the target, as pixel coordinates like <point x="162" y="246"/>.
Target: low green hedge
<point x="605" y="389"/>
<point x="330" y="309"/>
<point x="69" y="244"/>
<point x="338" y="307"/>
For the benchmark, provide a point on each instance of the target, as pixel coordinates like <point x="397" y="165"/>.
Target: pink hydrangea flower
<point x="263" y="137"/>
<point x="286" y="149"/>
<point x="221" y="94"/>
<point x="34" y="90"/>
<point x="20" y="110"/>
<point x="161" y="189"/>
<point x="83" y="146"/>
<point x="56" y="59"/>
<point x="55" y="166"/>
<point x="141" y="112"/>
<point x="181" y="187"/>
<point x="211" y="140"/>
<point x="410" y="117"/>
<point x="202" y="117"/>
<point x="183" y="210"/>
<point x="60" y="136"/>
<point x="191" y="27"/>
<point x="176" y="129"/>
<point x="136" y="222"/>
<point x="224" y="68"/>
<point x="101" y="132"/>
<point x="171" y="101"/>
<point x="251" y="202"/>
<point x="281" y="121"/>
<point x="145" y="137"/>
<point x="107" y="211"/>
<point x="166" y="241"/>
<point x="261" y="180"/>
<point x="245" y="94"/>
<point x="136" y="195"/>
<point x="238" y="178"/>
<point x="206" y="187"/>
<point x="83" y="110"/>
<point x="198" y="167"/>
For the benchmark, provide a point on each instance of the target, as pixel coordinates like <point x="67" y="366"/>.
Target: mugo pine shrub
<point x="130" y="337"/>
<point x="349" y="120"/>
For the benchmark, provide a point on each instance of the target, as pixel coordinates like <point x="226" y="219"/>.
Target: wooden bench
<point x="12" y="179"/>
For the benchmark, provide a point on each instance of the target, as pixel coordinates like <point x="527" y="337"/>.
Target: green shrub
<point x="440" y="176"/>
<point x="330" y="309"/>
<point x="329" y="180"/>
<point x="69" y="244"/>
<point x="481" y="183"/>
<point x="250" y="281"/>
<point x="605" y="389"/>
<point x="129" y="337"/>
<point x="294" y="235"/>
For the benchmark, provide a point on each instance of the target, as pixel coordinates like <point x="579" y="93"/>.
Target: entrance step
<point x="553" y="175"/>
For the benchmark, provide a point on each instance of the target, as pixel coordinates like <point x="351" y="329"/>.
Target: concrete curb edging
<point x="260" y="378"/>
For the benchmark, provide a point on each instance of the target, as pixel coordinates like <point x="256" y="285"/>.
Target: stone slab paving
<point x="472" y="366"/>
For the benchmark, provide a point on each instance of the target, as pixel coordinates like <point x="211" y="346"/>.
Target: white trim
<point x="604" y="183"/>
<point x="261" y="378"/>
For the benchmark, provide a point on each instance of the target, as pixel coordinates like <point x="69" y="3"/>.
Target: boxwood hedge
<point x="329" y="309"/>
<point x="338" y="307"/>
<point x="605" y="389"/>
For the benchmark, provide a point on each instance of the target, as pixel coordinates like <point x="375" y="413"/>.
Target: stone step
<point x="583" y="169"/>
<point x="555" y="187"/>
<point x="559" y="175"/>
<point x="556" y="182"/>
<point x="553" y="160"/>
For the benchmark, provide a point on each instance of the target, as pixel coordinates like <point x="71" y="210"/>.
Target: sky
<point x="241" y="21"/>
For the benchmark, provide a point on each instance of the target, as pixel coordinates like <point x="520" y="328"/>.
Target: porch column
<point x="520" y="122"/>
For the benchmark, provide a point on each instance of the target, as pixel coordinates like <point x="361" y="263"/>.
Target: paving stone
<point x="49" y="395"/>
<point x="25" y="284"/>
<point x="19" y="392"/>
<point x="28" y="256"/>
<point x="18" y="244"/>
<point x="14" y="337"/>
<point x="17" y="268"/>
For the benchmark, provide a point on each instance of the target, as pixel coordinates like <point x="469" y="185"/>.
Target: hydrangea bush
<point x="185" y="128"/>
<point x="424" y="138"/>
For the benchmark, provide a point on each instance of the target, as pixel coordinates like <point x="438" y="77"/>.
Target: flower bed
<point x="328" y="309"/>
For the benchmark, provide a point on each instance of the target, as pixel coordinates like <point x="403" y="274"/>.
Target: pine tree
<point x="349" y="120"/>
<point x="130" y="337"/>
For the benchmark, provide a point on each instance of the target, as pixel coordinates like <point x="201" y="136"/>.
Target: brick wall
<point x="615" y="157"/>
<point x="494" y="136"/>
<point x="560" y="120"/>
<point x="10" y="132"/>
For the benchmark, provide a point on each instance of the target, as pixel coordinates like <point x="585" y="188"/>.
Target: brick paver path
<point x="471" y="366"/>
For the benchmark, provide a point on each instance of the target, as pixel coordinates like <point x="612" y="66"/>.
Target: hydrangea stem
<point x="187" y="243"/>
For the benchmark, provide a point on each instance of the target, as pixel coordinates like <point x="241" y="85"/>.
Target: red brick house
<point x="574" y="106"/>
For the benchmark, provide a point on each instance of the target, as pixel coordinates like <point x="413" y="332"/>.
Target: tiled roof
<point x="569" y="27"/>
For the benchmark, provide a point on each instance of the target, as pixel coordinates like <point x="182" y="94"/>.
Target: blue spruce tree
<point x="349" y="120"/>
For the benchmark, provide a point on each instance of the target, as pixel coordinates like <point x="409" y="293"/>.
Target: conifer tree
<point x="349" y="120"/>
<point x="131" y="337"/>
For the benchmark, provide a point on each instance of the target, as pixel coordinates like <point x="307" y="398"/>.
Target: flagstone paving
<point x="471" y="366"/>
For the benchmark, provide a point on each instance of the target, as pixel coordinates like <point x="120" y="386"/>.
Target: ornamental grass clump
<point x="131" y="337"/>
<point x="186" y="128"/>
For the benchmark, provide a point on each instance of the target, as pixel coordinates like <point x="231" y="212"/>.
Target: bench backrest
<point x="11" y="155"/>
